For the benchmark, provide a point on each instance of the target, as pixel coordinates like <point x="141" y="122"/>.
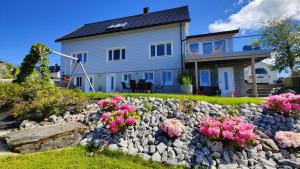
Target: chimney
<point x="146" y="10"/>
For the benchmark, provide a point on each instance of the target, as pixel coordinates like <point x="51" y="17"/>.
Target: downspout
<point x="181" y="43"/>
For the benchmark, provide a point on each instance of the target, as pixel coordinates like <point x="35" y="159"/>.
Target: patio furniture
<point x="210" y="90"/>
<point x="125" y="88"/>
<point x="149" y="87"/>
<point x="141" y="86"/>
<point x="132" y="85"/>
<point x="160" y="87"/>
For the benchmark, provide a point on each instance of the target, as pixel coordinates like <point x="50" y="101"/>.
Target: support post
<point x="86" y="76"/>
<point x="254" y="77"/>
<point x="196" y="76"/>
<point x="72" y="75"/>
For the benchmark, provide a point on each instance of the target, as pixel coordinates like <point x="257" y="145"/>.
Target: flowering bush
<point x="116" y="115"/>
<point x="228" y="128"/>
<point x="286" y="103"/>
<point x="287" y="139"/>
<point x="173" y="127"/>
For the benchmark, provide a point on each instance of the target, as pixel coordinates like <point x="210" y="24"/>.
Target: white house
<point x="156" y="47"/>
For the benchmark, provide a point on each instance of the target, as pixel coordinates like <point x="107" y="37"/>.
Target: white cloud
<point x="256" y="12"/>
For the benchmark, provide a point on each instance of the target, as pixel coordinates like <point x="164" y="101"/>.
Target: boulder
<point x="45" y="137"/>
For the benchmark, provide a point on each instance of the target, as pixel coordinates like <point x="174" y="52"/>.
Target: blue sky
<point x="25" y="22"/>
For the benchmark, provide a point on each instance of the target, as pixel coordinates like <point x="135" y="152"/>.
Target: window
<point x="207" y="48"/>
<point x="81" y="56"/>
<point x="127" y="77"/>
<point x="204" y="77"/>
<point x="167" y="77"/>
<point x="116" y="54"/>
<point x="194" y="48"/>
<point x="261" y="71"/>
<point x="149" y="77"/>
<point x="78" y="82"/>
<point x="219" y="47"/>
<point x="161" y="49"/>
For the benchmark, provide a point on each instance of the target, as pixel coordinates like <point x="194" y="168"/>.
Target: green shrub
<point x="32" y="98"/>
<point x="184" y="79"/>
<point x="233" y="111"/>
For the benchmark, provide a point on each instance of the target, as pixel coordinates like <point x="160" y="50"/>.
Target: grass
<point x="78" y="158"/>
<point x="211" y="99"/>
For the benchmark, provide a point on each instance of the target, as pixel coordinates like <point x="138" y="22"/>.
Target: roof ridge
<point x="136" y="15"/>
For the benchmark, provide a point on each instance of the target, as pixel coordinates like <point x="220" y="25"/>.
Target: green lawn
<point x="78" y="158"/>
<point x="210" y="99"/>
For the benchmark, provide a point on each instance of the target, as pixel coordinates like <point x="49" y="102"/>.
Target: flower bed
<point x="287" y="139"/>
<point x="229" y="129"/>
<point x="287" y="103"/>
<point x="116" y="115"/>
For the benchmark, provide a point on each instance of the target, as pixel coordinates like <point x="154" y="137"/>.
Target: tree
<point x="38" y="53"/>
<point x="283" y="37"/>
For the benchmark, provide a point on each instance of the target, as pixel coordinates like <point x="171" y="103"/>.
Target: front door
<point x="111" y="82"/>
<point x="226" y="80"/>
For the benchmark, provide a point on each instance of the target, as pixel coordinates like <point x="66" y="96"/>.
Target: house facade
<point x="156" y="47"/>
<point x="148" y="46"/>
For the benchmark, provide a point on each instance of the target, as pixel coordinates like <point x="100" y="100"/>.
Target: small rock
<point x="156" y="157"/>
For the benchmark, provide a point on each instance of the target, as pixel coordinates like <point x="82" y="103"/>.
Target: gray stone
<point x="228" y="166"/>
<point x="266" y="162"/>
<point x="269" y="145"/>
<point x="215" y="155"/>
<point x="123" y="143"/>
<point x="144" y="156"/>
<point x="290" y="163"/>
<point x="161" y="147"/>
<point x="156" y="157"/>
<point x="45" y="138"/>
<point x="177" y="143"/>
<point x="152" y="149"/>
<point x="52" y="118"/>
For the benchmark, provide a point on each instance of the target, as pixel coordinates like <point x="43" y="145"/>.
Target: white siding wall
<point x="137" y="50"/>
<point x="137" y="55"/>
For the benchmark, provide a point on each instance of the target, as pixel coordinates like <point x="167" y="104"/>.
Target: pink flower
<point x="114" y="130"/>
<point x="120" y="112"/>
<point x="131" y="121"/>
<point x="120" y="120"/>
<point x="112" y="124"/>
<point x="173" y="127"/>
<point x="118" y="98"/>
<point x="228" y="135"/>
<point x="105" y="116"/>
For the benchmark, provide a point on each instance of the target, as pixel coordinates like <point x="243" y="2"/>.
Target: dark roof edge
<point x="213" y="34"/>
<point x="102" y="33"/>
<point x="135" y="15"/>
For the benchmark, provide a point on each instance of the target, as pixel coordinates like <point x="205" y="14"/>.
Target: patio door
<point x="204" y="76"/>
<point x="226" y="80"/>
<point x="111" y="82"/>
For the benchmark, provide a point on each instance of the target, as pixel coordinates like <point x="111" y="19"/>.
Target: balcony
<point x="244" y="47"/>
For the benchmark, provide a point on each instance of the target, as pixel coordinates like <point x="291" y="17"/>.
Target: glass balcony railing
<point x="225" y="47"/>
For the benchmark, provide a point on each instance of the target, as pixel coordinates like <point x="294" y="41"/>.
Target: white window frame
<point x="199" y="47"/>
<point x="167" y="82"/>
<point x="213" y="46"/>
<point x="161" y="43"/>
<point x="80" y="52"/>
<point x="145" y="76"/>
<point x="116" y="48"/>
<point x="209" y="77"/>
<point x="129" y="73"/>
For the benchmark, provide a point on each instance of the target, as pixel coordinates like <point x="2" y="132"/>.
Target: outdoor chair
<point x="141" y="86"/>
<point x="160" y="87"/>
<point x="125" y="88"/>
<point x="149" y="87"/>
<point x="132" y="85"/>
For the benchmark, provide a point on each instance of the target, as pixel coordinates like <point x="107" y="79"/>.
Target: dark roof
<point x="214" y="33"/>
<point x="54" y="69"/>
<point x="164" y="17"/>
